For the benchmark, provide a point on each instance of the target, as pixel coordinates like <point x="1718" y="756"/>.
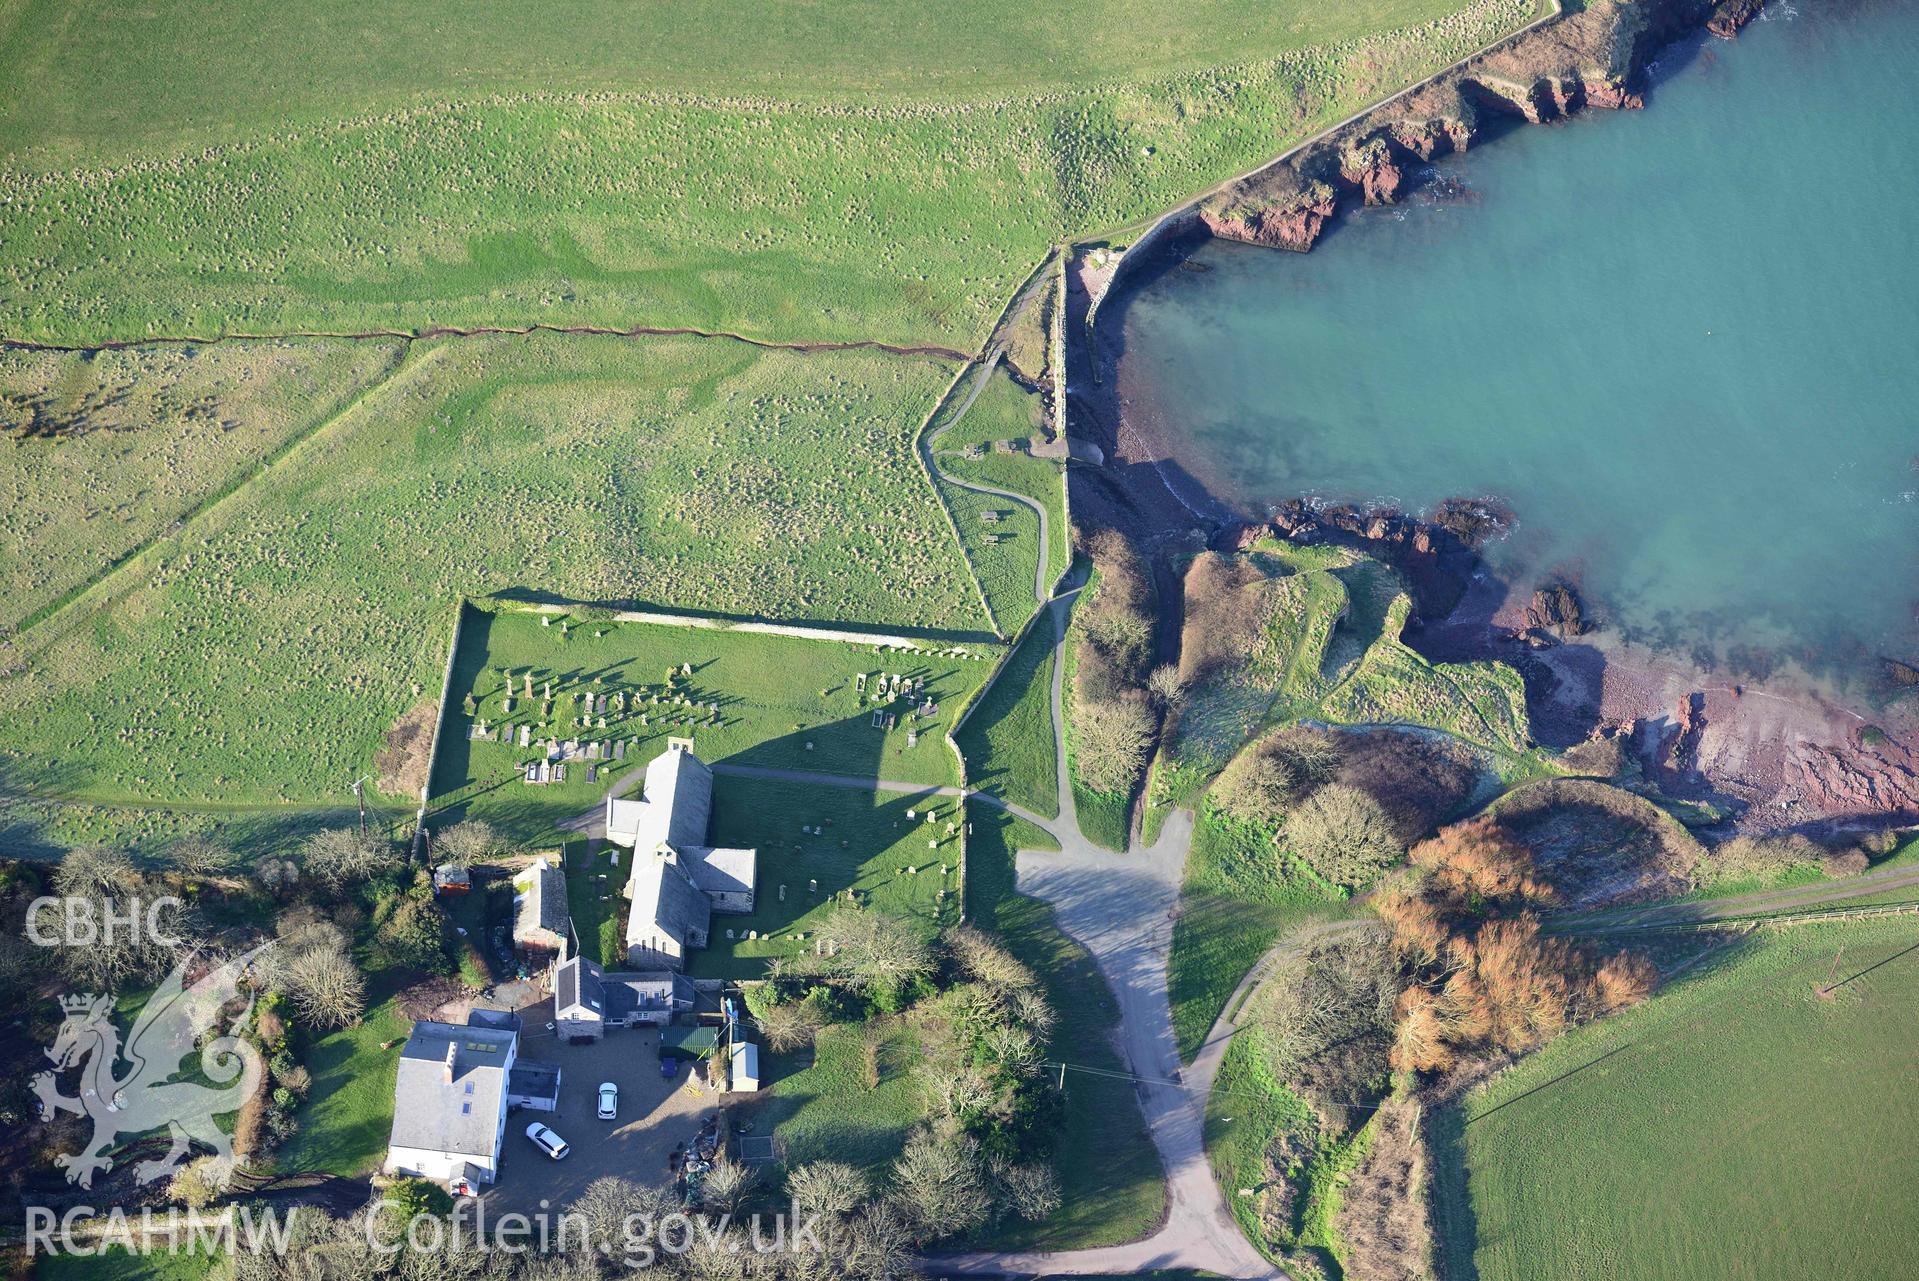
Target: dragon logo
<point x="147" y="1097"/>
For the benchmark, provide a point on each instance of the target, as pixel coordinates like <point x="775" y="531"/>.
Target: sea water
<point x="1680" y="344"/>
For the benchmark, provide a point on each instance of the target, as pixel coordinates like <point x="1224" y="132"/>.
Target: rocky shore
<point x="1773" y="753"/>
<point x="1783" y="755"/>
<point x="1594" y="56"/>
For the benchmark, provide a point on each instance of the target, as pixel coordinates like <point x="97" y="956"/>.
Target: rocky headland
<point x="1594" y="56"/>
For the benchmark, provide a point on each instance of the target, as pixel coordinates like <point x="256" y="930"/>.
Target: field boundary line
<point x="213" y="502"/>
<point x="436" y="332"/>
<point x="926" y="641"/>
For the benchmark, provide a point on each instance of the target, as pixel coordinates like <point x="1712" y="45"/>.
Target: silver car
<point x="609" y="1100"/>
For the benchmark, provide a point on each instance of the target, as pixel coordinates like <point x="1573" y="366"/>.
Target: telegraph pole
<point x="359" y="794"/>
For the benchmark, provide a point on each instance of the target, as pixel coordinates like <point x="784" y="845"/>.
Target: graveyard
<point x="822" y="848"/>
<point x="548" y="712"/>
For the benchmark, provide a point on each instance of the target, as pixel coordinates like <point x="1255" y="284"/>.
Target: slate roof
<point x="646" y="990"/>
<point x="534" y="1081"/>
<point x="722" y="871"/>
<point x="577" y="983"/>
<point x="673" y="869"/>
<point x="542" y="913"/>
<point x="456" y="1110"/>
<point x="665" y="898"/>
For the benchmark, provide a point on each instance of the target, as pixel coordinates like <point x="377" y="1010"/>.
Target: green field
<point x="1004" y="411"/>
<point x="821" y="1108"/>
<point x="1001" y="541"/>
<point x="908" y="868"/>
<point x="98" y="75"/>
<point x="348" y="1113"/>
<point x="1734" y="1126"/>
<point x="1008" y="740"/>
<point x="168" y="173"/>
<point x="259" y="653"/>
<point x="105" y="452"/>
<point x="783" y="702"/>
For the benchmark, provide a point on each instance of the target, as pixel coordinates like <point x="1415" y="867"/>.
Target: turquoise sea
<point x="1681" y="344"/>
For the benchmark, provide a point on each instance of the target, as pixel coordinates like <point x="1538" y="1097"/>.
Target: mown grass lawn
<point x="259" y="654"/>
<point x="1008" y="740"/>
<point x="1110" y="1177"/>
<point x="784" y="702"/>
<point x="860" y="842"/>
<point x="822" y="1109"/>
<point x="1734" y="1126"/>
<point x="348" y="1113"/>
<point x="121" y="1265"/>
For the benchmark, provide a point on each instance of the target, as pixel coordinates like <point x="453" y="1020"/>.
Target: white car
<point x="547" y="1141"/>
<point x="609" y="1100"/>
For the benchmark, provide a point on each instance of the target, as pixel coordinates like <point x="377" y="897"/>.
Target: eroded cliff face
<point x="1588" y="58"/>
<point x="1289" y="219"/>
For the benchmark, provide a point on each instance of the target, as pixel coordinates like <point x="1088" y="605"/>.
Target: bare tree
<point x="726" y="1187"/>
<point x="470" y="842"/>
<point x="123" y="928"/>
<point x="790" y="1025"/>
<point x="201" y="856"/>
<point x="827" y="1188"/>
<point x="614" y="1208"/>
<point x="1166" y="689"/>
<point x="343" y="856"/>
<point x="1344" y="835"/>
<point x="942" y="1185"/>
<point x="1114" y="737"/>
<point x="872" y="947"/>
<point x="1029" y="1192"/>
<point x="981" y="958"/>
<point x="325" y="987"/>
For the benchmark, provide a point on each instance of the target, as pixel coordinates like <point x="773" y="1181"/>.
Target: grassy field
<point x="93" y="75"/>
<point x="348" y="1114"/>
<point x="258" y="654"/>
<point x="782" y="702"/>
<point x="1654" y="1143"/>
<point x="1109" y="1171"/>
<point x="43" y="829"/>
<point x="908" y="868"/>
<point x="1008" y="740"/>
<point x="821" y="1108"/>
<point x="107" y="451"/>
<point x="430" y="168"/>
<point x="1005" y="411"/>
<point x="1001" y="540"/>
<point x="1236" y="901"/>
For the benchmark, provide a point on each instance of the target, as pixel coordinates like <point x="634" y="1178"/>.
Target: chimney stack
<point x="452" y="1051"/>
